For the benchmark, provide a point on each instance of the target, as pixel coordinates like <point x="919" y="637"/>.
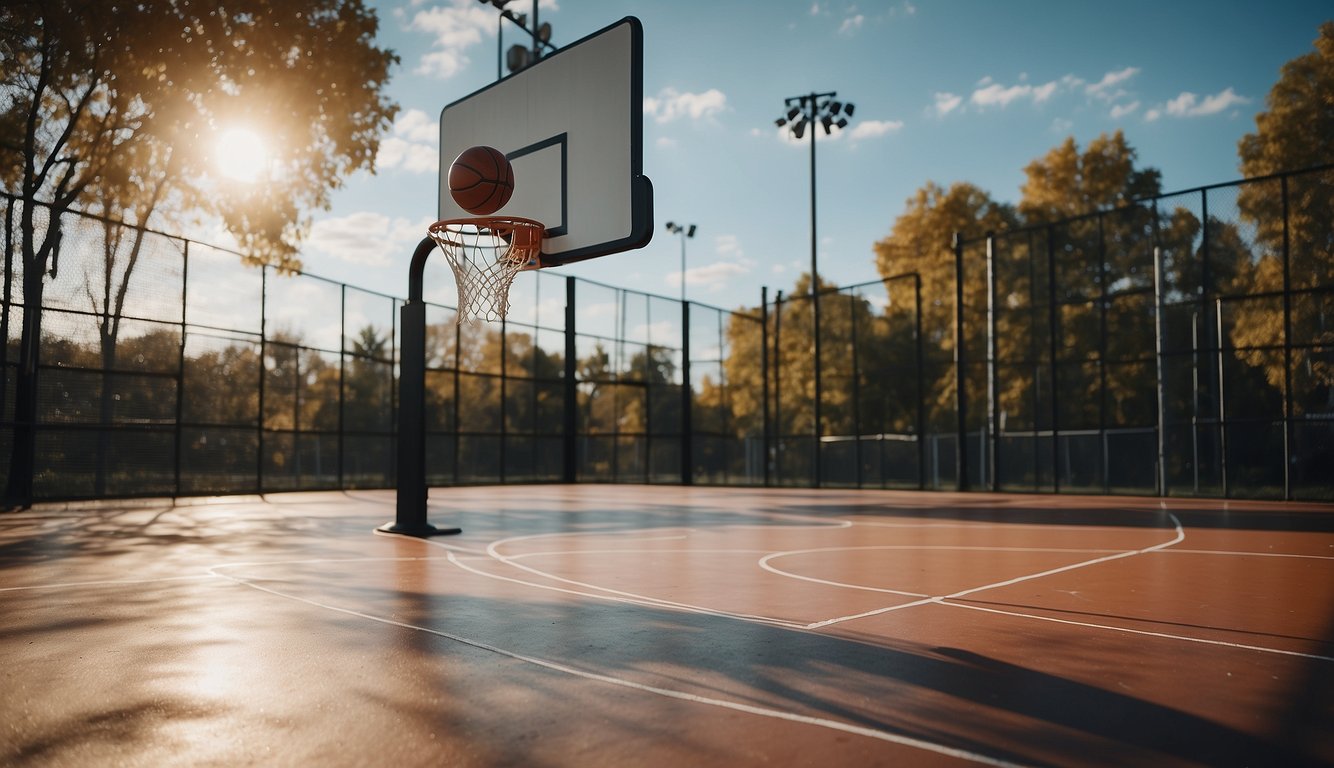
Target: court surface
<point x="599" y="625"/>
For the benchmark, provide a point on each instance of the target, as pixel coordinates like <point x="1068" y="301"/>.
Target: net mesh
<point x="485" y="254"/>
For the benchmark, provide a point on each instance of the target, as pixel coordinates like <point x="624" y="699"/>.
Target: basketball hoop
<point x="486" y="252"/>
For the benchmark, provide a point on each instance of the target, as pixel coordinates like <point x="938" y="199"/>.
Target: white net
<point x="485" y="254"/>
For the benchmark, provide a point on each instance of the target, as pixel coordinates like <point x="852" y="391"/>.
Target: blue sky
<point x="946" y="90"/>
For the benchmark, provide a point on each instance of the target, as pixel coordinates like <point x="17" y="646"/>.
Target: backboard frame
<point x="491" y="116"/>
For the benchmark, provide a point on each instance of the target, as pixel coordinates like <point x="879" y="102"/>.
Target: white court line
<point x="492" y="549"/>
<point x="669" y="693"/>
<point x="691" y="551"/>
<point x="641" y="600"/>
<point x="1128" y="630"/>
<point x="764" y="561"/>
<point x="1180" y="536"/>
<point x="1235" y="553"/>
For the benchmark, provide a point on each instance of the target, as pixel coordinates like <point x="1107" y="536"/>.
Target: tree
<point x="1065" y="183"/>
<point x="920" y="243"/>
<point x="122" y="107"/>
<point x="1295" y="132"/>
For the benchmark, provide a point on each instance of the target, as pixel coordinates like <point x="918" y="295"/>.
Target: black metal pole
<point x="921" y="379"/>
<point x="993" y="387"/>
<point x="778" y="379"/>
<point x="960" y="397"/>
<point x="571" y="411"/>
<point x="687" y="402"/>
<point x="410" y="511"/>
<point x="815" y="306"/>
<point x="857" y="392"/>
<point x="1287" y="349"/>
<point x="764" y="379"/>
<point x="1222" y="399"/>
<point x="1158" y="329"/>
<point x="1054" y="347"/>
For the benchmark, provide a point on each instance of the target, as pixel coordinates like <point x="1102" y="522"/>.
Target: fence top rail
<point x="1130" y="205"/>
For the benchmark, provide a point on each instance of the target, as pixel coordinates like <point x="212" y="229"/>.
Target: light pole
<point x="805" y="112"/>
<point x="684" y="230"/>
<point x="520" y="56"/>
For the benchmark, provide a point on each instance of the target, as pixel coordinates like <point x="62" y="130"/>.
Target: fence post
<point x="263" y="374"/>
<point x="180" y="370"/>
<point x="569" y="436"/>
<point x="778" y="380"/>
<point x="1054" y="347"/>
<point x="993" y="387"/>
<point x="1158" y="328"/>
<point x="857" y="393"/>
<point x="1287" y="349"/>
<point x="921" y="382"/>
<point x="687" y="402"/>
<point x="342" y="386"/>
<point x="764" y="381"/>
<point x="1222" y="400"/>
<point x="960" y="396"/>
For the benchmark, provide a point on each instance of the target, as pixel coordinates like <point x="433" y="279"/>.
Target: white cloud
<point x="670" y="104"/>
<point x="1121" y="110"/>
<point x="990" y="93"/>
<point x="871" y="129"/>
<point x="365" y="237"/>
<point x="416" y="125"/>
<point x="412" y="146"/>
<point x="1107" y="88"/>
<point x="947" y="103"/>
<point x="732" y="263"/>
<point x="456" y="27"/>
<point x="712" y="276"/>
<point x="414" y="158"/>
<point x="664" y="142"/>
<point x="661" y="331"/>
<point x="851" y="24"/>
<point x="1188" y="104"/>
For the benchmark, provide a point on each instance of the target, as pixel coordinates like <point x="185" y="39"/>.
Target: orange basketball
<point x="481" y="180"/>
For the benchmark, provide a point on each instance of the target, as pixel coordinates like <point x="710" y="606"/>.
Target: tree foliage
<point x="123" y="104"/>
<point x="1067" y="183"/>
<point x="1296" y="131"/>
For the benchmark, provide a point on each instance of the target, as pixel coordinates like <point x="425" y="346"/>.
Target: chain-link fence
<point x="1182" y="345"/>
<point x="163" y="366"/>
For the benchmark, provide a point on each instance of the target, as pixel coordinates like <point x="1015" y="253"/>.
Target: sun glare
<point x="241" y="154"/>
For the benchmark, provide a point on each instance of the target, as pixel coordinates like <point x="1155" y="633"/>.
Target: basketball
<point x="481" y="180"/>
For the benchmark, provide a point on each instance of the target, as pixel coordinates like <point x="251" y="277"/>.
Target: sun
<point x="241" y="155"/>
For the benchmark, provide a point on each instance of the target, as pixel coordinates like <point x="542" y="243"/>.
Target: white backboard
<point x="572" y="126"/>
